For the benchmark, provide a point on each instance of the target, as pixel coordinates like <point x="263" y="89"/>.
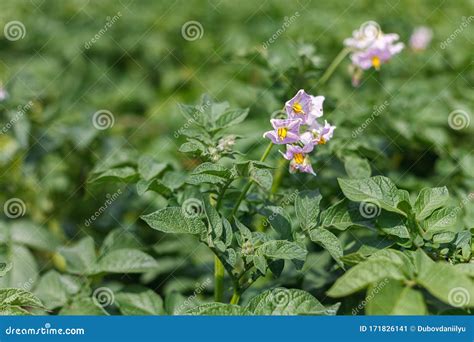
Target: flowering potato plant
<point x="319" y="174"/>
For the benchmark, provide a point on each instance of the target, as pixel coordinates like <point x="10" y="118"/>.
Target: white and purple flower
<point x="372" y="50"/>
<point x="305" y="107"/>
<point x="286" y="131"/>
<point x="301" y="131"/>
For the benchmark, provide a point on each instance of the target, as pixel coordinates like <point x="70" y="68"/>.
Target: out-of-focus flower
<point x="420" y="38"/>
<point x="301" y="131"/>
<point x="3" y="93"/>
<point x="285" y="131"/>
<point x="305" y="107"/>
<point x="372" y="50"/>
<point x="226" y="143"/>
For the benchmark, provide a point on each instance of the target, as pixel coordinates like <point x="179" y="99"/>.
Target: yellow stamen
<point x="298" y="109"/>
<point x="298" y="158"/>
<point x="322" y="141"/>
<point x="282" y="132"/>
<point x="376" y="62"/>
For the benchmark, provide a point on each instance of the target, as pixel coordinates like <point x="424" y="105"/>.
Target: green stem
<point x="219" y="272"/>
<point x="250" y="182"/>
<point x="279" y="175"/>
<point x="235" y="297"/>
<point x="332" y="67"/>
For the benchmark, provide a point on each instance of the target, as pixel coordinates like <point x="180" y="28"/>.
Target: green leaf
<point x="393" y="224"/>
<point x="307" y="208"/>
<point x="279" y="221"/>
<point x="210" y="173"/>
<point x="260" y="263"/>
<point x="328" y="241"/>
<point x="447" y="283"/>
<point x="261" y="177"/>
<point x="174" y="220"/>
<point x="282" y="249"/>
<point x="28" y="233"/>
<point x="378" y="190"/>
<point x="4" y="268"/>
<point x="218" y="309"/>
<point x="230" y="118"/>
<point x="388" y="264"/>
<point x="344" y="214"/>
<point x="80" y="258"/>
<point x="54" y="289"/>
<point x="139" y="303"/>
<point x="124" y="174"/>
<point x="428" y="200"/>
<point x="281" y="301"/>
<point x="357" y="167"/>
<point x="13" y="300"/>
<point x="126" y="261"/>
<point x="118" y="239"/>
<point x="24" y="268"/>
<point x="442" y="220"/>
<point x="149" y="168"/>
<point x="82" y="306"/>
<point x="154" y="185"/>
<point x="392" y="297"/>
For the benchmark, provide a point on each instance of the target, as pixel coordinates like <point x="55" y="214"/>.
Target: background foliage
<point x="78" y="243"/>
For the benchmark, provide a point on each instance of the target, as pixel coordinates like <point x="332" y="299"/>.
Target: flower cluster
<point x="300" y="130"/>
<point x="370" y="47"/>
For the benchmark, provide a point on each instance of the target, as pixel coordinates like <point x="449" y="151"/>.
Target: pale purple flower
<point x="420" y="38"/>
<point x="286" y="131"/>
<point x="3" y="94"/>
<point x="318" y="134"/>
<point x="299" y="160"/>
<point x="305" y="107"/>
<point x="371" y="47"/>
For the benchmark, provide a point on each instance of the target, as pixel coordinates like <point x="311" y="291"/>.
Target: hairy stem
<point x="332" y="67"/>
<point x="219" y="272"/>
<point x="250" y="182"/>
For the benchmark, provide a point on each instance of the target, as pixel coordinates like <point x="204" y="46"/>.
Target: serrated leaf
<point x="307" y="208"/>
<point x="342" y="215"/>
<point x="146" y="302"/>
<point x="329" y="242"/>
<point x="281" y="301"/>
<point x="126" y="261"/>
<point x="379" y="190"/>
<point x="172" y="220"/>
<point x="428" y="200"/>
<point x="282" y="249"/>
<point x="11" y="297"/>
<point x="230" y="118"/>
